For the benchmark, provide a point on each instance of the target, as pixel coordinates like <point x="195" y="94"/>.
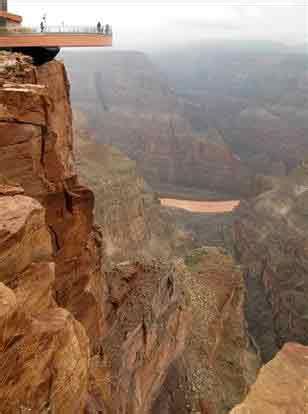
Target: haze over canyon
<point x="153" y="230"/>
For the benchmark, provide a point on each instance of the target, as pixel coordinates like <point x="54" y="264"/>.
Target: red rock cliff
<point x="281" y="387"/>
<point x="36" y="152"/>
<point x="72" y="340"/>
<point x="44" y="351"/>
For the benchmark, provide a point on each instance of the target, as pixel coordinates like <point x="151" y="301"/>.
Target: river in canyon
<point x="201" y="206"/>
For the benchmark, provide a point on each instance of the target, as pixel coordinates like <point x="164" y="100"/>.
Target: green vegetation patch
<point x="194" y="258"/>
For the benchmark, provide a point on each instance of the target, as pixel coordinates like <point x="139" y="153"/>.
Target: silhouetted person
<point x="107" y="29"/>
<point x="42" y="26"/>
<point x="99" y="27"/>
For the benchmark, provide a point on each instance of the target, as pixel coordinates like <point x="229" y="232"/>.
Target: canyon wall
<point x="253" y="92"/>
<point x="74" y="338"/>
<point x="135" y="225"/>
<point x="148" y="320"/>
<point x="130" y="105"/>
<point x="270" y="239"/>
<point x="44" y="351"/>
<point x="221" y="361"/>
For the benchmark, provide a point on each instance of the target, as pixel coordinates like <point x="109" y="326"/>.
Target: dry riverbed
<point x="201" y="206"/>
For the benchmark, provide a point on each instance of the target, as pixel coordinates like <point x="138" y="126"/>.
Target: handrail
<point x="105" y="29"/>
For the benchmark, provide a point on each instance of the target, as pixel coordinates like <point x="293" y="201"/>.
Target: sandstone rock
<point x="281" y="387"/>
<point x="22" y="224"/>
<point x="36" y="153"/>
<point x="45" y="364"/>
<point x="220" y="362"/>
<point x="148" y="322"/>
<point x="44" y="352"/>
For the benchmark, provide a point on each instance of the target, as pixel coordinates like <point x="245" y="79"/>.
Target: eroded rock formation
<point x="44" y="351"/>
<point x="220" y="362"/>
<point x="281" y="387"/>
<point x="147" y="333"/>
<point x="62" y="316"/>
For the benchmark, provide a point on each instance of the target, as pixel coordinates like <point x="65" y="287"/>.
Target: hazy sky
<point x="147" y="23"/>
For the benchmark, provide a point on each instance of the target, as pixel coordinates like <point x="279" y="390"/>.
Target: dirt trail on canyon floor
<point x="201" y="206"/>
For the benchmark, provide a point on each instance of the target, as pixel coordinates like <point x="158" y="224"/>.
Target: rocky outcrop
<point x="220" y="362"/>
<point x="148" y="322"/>
<point x="130" y="105"/>
<point x="281" y="387"/>
<point x="44" y="351"/>
<point x="74" y="339"/>
<point x="270" y="238"/>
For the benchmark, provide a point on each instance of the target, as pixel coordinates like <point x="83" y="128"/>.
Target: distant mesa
<point x="44" y="42"/>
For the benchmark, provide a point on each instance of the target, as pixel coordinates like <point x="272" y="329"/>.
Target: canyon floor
<point x="201" y="206"/>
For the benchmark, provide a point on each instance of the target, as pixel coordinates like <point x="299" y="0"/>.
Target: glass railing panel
<point x="105" y="30"/>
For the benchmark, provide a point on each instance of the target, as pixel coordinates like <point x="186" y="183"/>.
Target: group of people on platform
<point x="104" y="29"/>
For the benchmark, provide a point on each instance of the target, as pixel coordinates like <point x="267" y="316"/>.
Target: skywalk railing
<point x="104" y="29"/>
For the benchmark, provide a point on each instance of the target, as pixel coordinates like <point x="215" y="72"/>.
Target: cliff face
<point x="181" y="159"/>
<point x="44" y="351"/>
<point x="270" y="236"/>
<point x="62" y="316"/>
<point x="220" y="362"/>
<point x="148" y="320"/>
<point x="36" y="152"/>
<point x="129" y="105"/>
<point x="281" y="385"/>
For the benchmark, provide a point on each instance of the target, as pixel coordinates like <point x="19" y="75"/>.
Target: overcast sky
<point x="164" y="23"/>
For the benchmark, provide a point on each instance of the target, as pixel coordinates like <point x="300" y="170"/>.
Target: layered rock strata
<point x="134" y="223"/>
<point x="130" y="105"/>
<point x="36" y="152"/>
<point x="61" y="315"/>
